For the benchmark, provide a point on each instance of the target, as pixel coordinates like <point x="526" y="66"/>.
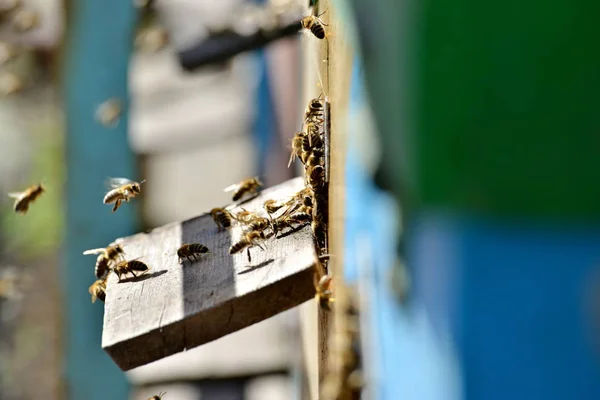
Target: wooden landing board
<point x="176" y="307"/>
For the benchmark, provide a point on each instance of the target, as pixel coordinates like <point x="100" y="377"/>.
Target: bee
<point x="98" y="290"/>
<point x="318" y="229"/>
<point x="315" y="25"/>
<point x="298" y="146"/>
<point x="247" y="186"/>
<point x="191" y="250"/>
<point x="245" y="216"/>
<point x="314" y="136"/>
<point x="324" y="295"/>
<point x="315" y="111"/>
<point x="250" y="239"/>
<point x="222" y="217"/>
<point x="272" y="206"/>
<point x="113" y="252"/>
<point x="258" y="224"/>
<point x="102" y="266"/>
<point x="315" y="176"/>
<point x="122" y="189"/>
<point x="106" y="255"/>
<point x="313" y="160"/>
<point x="25" y="198"/>
<point x="129" y="267"/>
<point x="157" y="396"/>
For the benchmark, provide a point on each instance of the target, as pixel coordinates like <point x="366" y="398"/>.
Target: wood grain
<point x="176" y="307"/>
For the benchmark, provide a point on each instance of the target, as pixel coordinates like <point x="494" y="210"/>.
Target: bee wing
<point x="93" y="251"/>
<point x="14" y="195"/>
<point x="113" y="183"/>
<point x="232" y="187"/>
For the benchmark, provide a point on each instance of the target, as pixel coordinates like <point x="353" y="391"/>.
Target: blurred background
<point x="469" y="206"/>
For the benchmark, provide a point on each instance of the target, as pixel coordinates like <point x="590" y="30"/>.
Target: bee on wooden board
<point x="130" y="267"/>
<point x="157" y="396"/>
<point x="98" y="290"/>
<point x="272" y="206"/>
<point x="315" y="176"/>
<point x="191" y="250"/>
<point x="315" y="25"/>
<point x="250" y="239"/>
<point x="24" y="199"/>
<point x="247" y="186"/>
<point x="122" y="189"/>
<point x="245" y="216"/>
<point x="222" y="217"/>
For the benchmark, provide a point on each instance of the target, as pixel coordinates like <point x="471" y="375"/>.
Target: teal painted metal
<point x="98" y="47"/>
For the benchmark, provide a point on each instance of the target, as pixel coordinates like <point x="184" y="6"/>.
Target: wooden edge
<point x="214" y="323"/>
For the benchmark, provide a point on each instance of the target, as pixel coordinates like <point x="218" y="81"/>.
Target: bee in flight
<point x="315" y="25"/>
<point x="106" y="256"/>
<point x="25" y="198"/>
<point x="191" y="250"/>
<point x="98" y="290"/>
<point x="157" y="396"/>
<point x="121" y="189"/>
<point x="324" y="295"/>
<point x="247" y="186"/>
<point x="130" y="267"/>
<point x="222" y="217"/>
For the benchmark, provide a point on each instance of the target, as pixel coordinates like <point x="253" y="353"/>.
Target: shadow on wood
<point x="189" y="305"/>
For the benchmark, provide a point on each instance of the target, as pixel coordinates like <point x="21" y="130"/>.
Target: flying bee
<point x="315" y="25"/>
<point x="102" y="266"/>
<point x="157" y="396"/>
<point x="315" y="176"/>
<point x="129" y="267"/>
<point x="247" y="186"/>
<point x="98" y="290"/>
<point x="191" y="250"/>
<point x="114" y="252"/>
<point x="25" y="198"/>
<point x="122" y="189"/>
<point x="222" y="217"/>
<point x="324" y="295"/>
<point x="250" y="239"/>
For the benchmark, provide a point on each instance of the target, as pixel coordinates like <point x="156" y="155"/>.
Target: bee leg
<point x="248" y="251"/>
<point x="116" y="206"/>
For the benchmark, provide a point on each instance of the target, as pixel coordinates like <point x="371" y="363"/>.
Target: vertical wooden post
<point x="99" y="42"/>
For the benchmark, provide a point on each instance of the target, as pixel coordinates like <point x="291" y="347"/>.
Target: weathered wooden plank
<point x="176" y="307"/>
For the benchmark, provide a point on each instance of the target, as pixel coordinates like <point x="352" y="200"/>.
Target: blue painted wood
<point x="516" y="298"/>
<point x="98" y="47"/>
<point x="405" y="359"/>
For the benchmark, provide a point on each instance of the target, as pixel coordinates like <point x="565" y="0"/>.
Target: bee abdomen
<point x="137" y="266"/>
<point x="318" y="30"/>
<point x="112" y="196"/>
<point x="101" y="266"/>
<point x="198" y="248"/>
<point x="239" y="246"/>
